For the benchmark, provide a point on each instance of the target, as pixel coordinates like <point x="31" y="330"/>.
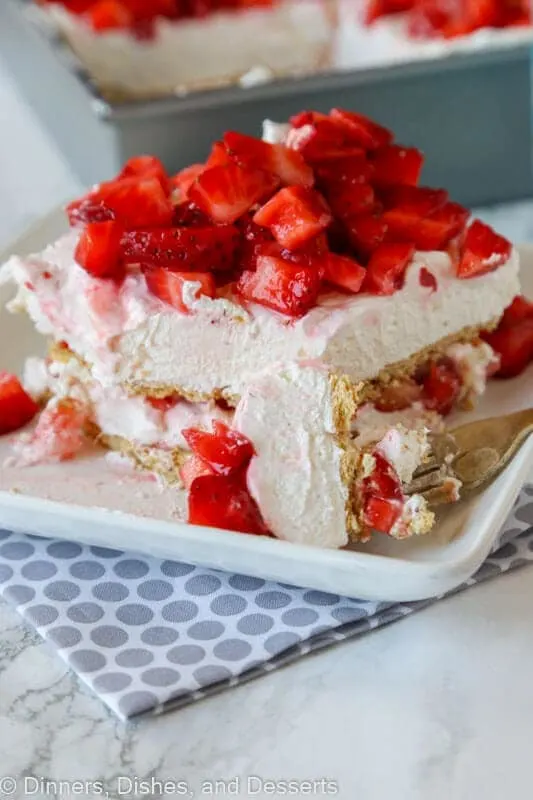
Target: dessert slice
<point x="154" y="47"/>
<point x="297" y="313"/>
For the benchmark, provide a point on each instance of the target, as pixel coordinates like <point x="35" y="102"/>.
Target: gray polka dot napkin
<point x="149" y="635"/>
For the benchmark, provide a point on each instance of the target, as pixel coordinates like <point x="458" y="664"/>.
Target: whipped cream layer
<point x="192" y="53"/>
<point x="114" y="412"/>
<point x="130" y="337"/>
<point x="295" y="477"/>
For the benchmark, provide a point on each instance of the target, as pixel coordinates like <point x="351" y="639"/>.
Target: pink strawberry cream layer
<point x="130" y="337"/>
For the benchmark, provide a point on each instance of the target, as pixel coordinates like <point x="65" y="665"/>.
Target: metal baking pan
<point x="470" y="113"/>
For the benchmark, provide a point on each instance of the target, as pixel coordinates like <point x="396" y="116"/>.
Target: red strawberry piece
<point x="219" y="156"/>
<point x="17" y="408"/>
<point x="193" y="468"/>
<point x="255" y="240"/>
<point x="223" y="501"/>
<point x="148" y="167"/>
<point x="168" y="286"/>
<point x="398" y="395"/>
<point x="380" y="514"/>
<point x="360" y="129"/>
<point x="432" y="232"/>
<point x="312" y="254"/>
<point x="60" y="432"/>
<point x="225" y="193"/>
<point x="345" y="170"/>
<point x="441" y="387"/>
<point x="366" y="232"/>
<point x="520" y="309"/>
<point x="163" y="403"/>
<point x="349" y="200"/>
<point x="386" y="268"/>
<point x="306" y="118"/>
<point x="417" y="200"/>
<point x="294" y="215"/>
<point x="184" y="179"/>
<point x="427" y="279"/>
<point x="483" y="251"/>
<point x="188" y="215"/>
<point x="288" y="288"/>
<point x="183" y="249"/>
<point x="253" y="153"/>
<point x="109" y="15"/>
<point x="514" y="345"/>
<point x="98" y="249"/>
<point x="225" y="450"/>
<point x="320" y="141"/>
<point x="86" y="210"/>
<point x="380" y="8"/>
<point x="383" y="481"/>
<point x="138" y="202"/>
<point x="396" y="164"/>
<point x="344" y="272"/>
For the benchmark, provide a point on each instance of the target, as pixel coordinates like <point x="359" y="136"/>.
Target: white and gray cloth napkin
<point x="148" y="635"/>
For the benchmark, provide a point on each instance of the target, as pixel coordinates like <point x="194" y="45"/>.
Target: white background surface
<point x="436" y="707"/>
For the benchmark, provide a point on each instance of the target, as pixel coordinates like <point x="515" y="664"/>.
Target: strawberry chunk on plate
<point x="137" y="201"/>
<point x="441" y="387"/>
<point x="365" y="232"/>
<point x="223" y="501"/>
<point x="148" y="167"/>
<point x="386" y="268"/>
<point x="226" y="192"/>
<point x="483" y="251"/>
<point x="289" y="165"/>
<point x="396" y="164"/>
<point x="294" y="216"/>
<point x="361" y="130"/>
<point x="168" y="286"/>
<point x="224" y="450"/>
<point x="382" y="481"/>
<point x="183" y="180"/>
<point x="380" y="514"/>
<point x="289" y="288"/>
<point x="207" y="248"/>
<point x="98" y="249"/>
<point x="344" y="272"/>
<point x="17" y="408"/>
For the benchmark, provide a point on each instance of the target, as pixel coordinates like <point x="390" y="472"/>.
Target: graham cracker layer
<point x="165" y="463"/>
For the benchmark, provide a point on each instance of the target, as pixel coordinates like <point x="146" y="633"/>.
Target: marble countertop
<point x="438" y="706"/>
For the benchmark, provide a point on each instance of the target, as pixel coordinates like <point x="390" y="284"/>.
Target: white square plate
<point x="93" y="501"/>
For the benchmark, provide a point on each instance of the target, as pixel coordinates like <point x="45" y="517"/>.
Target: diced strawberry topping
<point x="441" y="387"/>
<point x="350" y="200"/>
<point x="380" y="515"/>
<point x="107" y="15"/>
<point x="137" y="201"/>
<point x="382" y="496"/>
<point x="87" y="210"/>
<point x="182" y="181"/>
<point x="386" y="268"/>
<point x="194" y="468"/>
<point x="288" y="288"/>
<point x="225" y="193"/>
<point x="513" y="338"/>
<point x="396" y="164"/>
<point x="383" y="481"/>
<point x="344" y="272"/>
<point x="59" y="434"/>
<point x="183" y="249"/>
<point x="168" y="285"/>
<point x="147" y="167"/>
<point x="366" y="232"/>
<point x="483" y="251"/>
<point x="361" y="130"/>
<point x="224" y="450"/>
<point x="223" y="501"/>
<point x="249" y="152"/>
<point x="17" y="408"/>
<point x="427" y="279"/>
<point x="398" y="395"/>
<point x="520" y="309"/>
<point x="294" y="215"/>
<point x="98" y="249"/>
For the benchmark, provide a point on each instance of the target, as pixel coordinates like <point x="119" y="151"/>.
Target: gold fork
<point x="473" y="454"/>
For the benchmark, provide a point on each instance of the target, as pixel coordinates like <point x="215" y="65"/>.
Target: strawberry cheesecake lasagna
<point x="154" y="47"/>
<point x="275" y="331"/>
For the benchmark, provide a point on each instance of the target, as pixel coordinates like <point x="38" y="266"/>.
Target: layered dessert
<point x="152" y="47"/>
<point x="276" y="331"/>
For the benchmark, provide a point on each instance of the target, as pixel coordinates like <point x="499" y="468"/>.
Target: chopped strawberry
<point x="513" y="340"/>
<point x="417" y="200"/>
<point x="225" y="193"/>
<point x="223" y="501"/>
<point x="136" y="201"/>
<point x="396" y="164"/>
<point x="253" y="153"/>
<point x="344" y="272"/>
<point x="87" y="210"/>
<point x="350" y="200"/>
<point x="427" y="279"/>
<point x="288" y="288"/>
<point x="193" y="468"/>
<point x="254" y="241"/>
<point x="219" y="156"/>
<point x="108" y="15"/>
<point x="98" y="250"/>
<point x="483" y="251"/>
<point x="398" y="395"/>
<point x="188" y="215"/>
<point x="183" y="249"/>
<point x="361" y="130"/>
<point x="294" y="215"/>
<point x="225" y="450"/>
<point x="386" y="268"/>
<point x="380" y="514"/>
<point x="441" y="387"/>
<point x="59" y="434"/>
<point x="184" y="179"/>
<point x="148" y="167"/>
<point x="366" y="232"/>
<point x="520" y="309"/>
<point x="17" y="408"/>
<point x="168" y="286"/>
<point x="345" y="170"/>
<point x="379" y="8"/>
<point x="383" y="481"/>
<point x="307" y="118"/>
